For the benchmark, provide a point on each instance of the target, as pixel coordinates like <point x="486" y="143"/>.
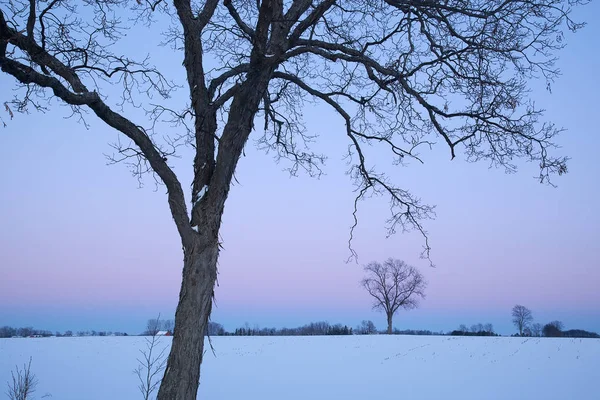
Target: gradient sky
<point x="82" y="247"/>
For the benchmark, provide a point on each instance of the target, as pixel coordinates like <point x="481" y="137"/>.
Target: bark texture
<point x="193" y="310"/>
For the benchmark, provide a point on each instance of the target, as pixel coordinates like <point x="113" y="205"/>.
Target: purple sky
<point x="81" y="247"/>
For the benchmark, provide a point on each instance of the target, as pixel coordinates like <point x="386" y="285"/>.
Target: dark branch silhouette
<point x="522" y="317"/>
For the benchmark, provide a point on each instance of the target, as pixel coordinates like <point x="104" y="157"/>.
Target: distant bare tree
<point x="557" y="324"/>
<point x="27" y="331"/>
<point x="489" y="328"/>
<point x="7" y="331"/>
<point x="168" y="325"/>
<point x="153" y="326"/>
<point x="522" y="317"/>
<point x="366" y="328"/>
<point x="394" y="284"/>
<point x="553" y="329"/>
<point x="463" y="328"/>
<point x="23" y="383"/>
<point x="216" y="329"/>
<point x="536" y="329"/>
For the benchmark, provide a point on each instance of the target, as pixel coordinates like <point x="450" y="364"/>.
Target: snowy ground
<point x="341" y="367"/>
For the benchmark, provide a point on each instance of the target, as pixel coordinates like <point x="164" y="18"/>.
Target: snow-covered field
<point x="329" y="367"/>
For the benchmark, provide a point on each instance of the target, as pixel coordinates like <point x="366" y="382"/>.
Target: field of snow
<point x="327" y="367"/>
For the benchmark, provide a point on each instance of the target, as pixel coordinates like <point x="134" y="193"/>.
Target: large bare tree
<point x="522" y="317"/>
<point x="400" y="74"/>
<point x="394" y="285"/>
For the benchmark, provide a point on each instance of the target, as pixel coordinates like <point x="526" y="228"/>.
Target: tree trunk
<point x="389" y="321"/>
<point x="182" y="376"/>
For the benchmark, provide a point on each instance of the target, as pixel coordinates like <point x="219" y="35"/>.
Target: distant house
<point x="164" y="333"/>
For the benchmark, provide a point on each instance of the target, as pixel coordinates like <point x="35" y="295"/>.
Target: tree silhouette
<point x="394" y="285"/>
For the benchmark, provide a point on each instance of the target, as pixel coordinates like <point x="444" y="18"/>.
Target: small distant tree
<point x="557" y="324"/>
<point x="536" y="329"/>
<point x="7" y="331"/>
<point x="28" y="331"/>
<point x="215" y="329"/>
<point x="394" y="284"/>
<point x="366" y="328"/>
<point x="522" y="317"/>
<point x="489" y="328"/>
<point x="553" y="329"/>
<point x="463" y="328"/>
<point x="168" y="325"/>
<point x="153" y="327"/>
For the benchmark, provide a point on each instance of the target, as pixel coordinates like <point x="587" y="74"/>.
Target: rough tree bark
<point x="389" y="323"/>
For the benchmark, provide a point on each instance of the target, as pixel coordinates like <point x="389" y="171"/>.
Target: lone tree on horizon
<point x="397" y="74"/>
<point x="522" y="317"/>
<point x="394" y="285"/>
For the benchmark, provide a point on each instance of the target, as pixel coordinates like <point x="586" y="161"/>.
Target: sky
<point x="82" y="247"/>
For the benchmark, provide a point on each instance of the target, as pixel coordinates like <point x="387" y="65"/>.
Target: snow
<point x="201" y="194"/>
<point x="326" y="367"/>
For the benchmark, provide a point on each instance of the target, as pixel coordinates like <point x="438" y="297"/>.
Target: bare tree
<point x="216" y="329"/>
<point x="168" y="325"/>
<point x="153" y="326"/>
<point x="489" y="328"/>
<point x="557" y="324"/>
<point x="393" y="284"/>
<point x="7" y="331"/>
<point x="366" y="328"/>
<point x="153" y="361"/>
<point x="23" y="383"/>
<point x="553" y="329"/>
<point x="401" y="74"/>
<point x="522" y="317"/>
<point x="536" y="329"/>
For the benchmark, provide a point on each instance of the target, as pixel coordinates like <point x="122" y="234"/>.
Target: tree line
<point x="319" y="328"/>
<point x="9" y="332"/>
<point x="522" y="318"/>
<point x="475" y="330"/>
